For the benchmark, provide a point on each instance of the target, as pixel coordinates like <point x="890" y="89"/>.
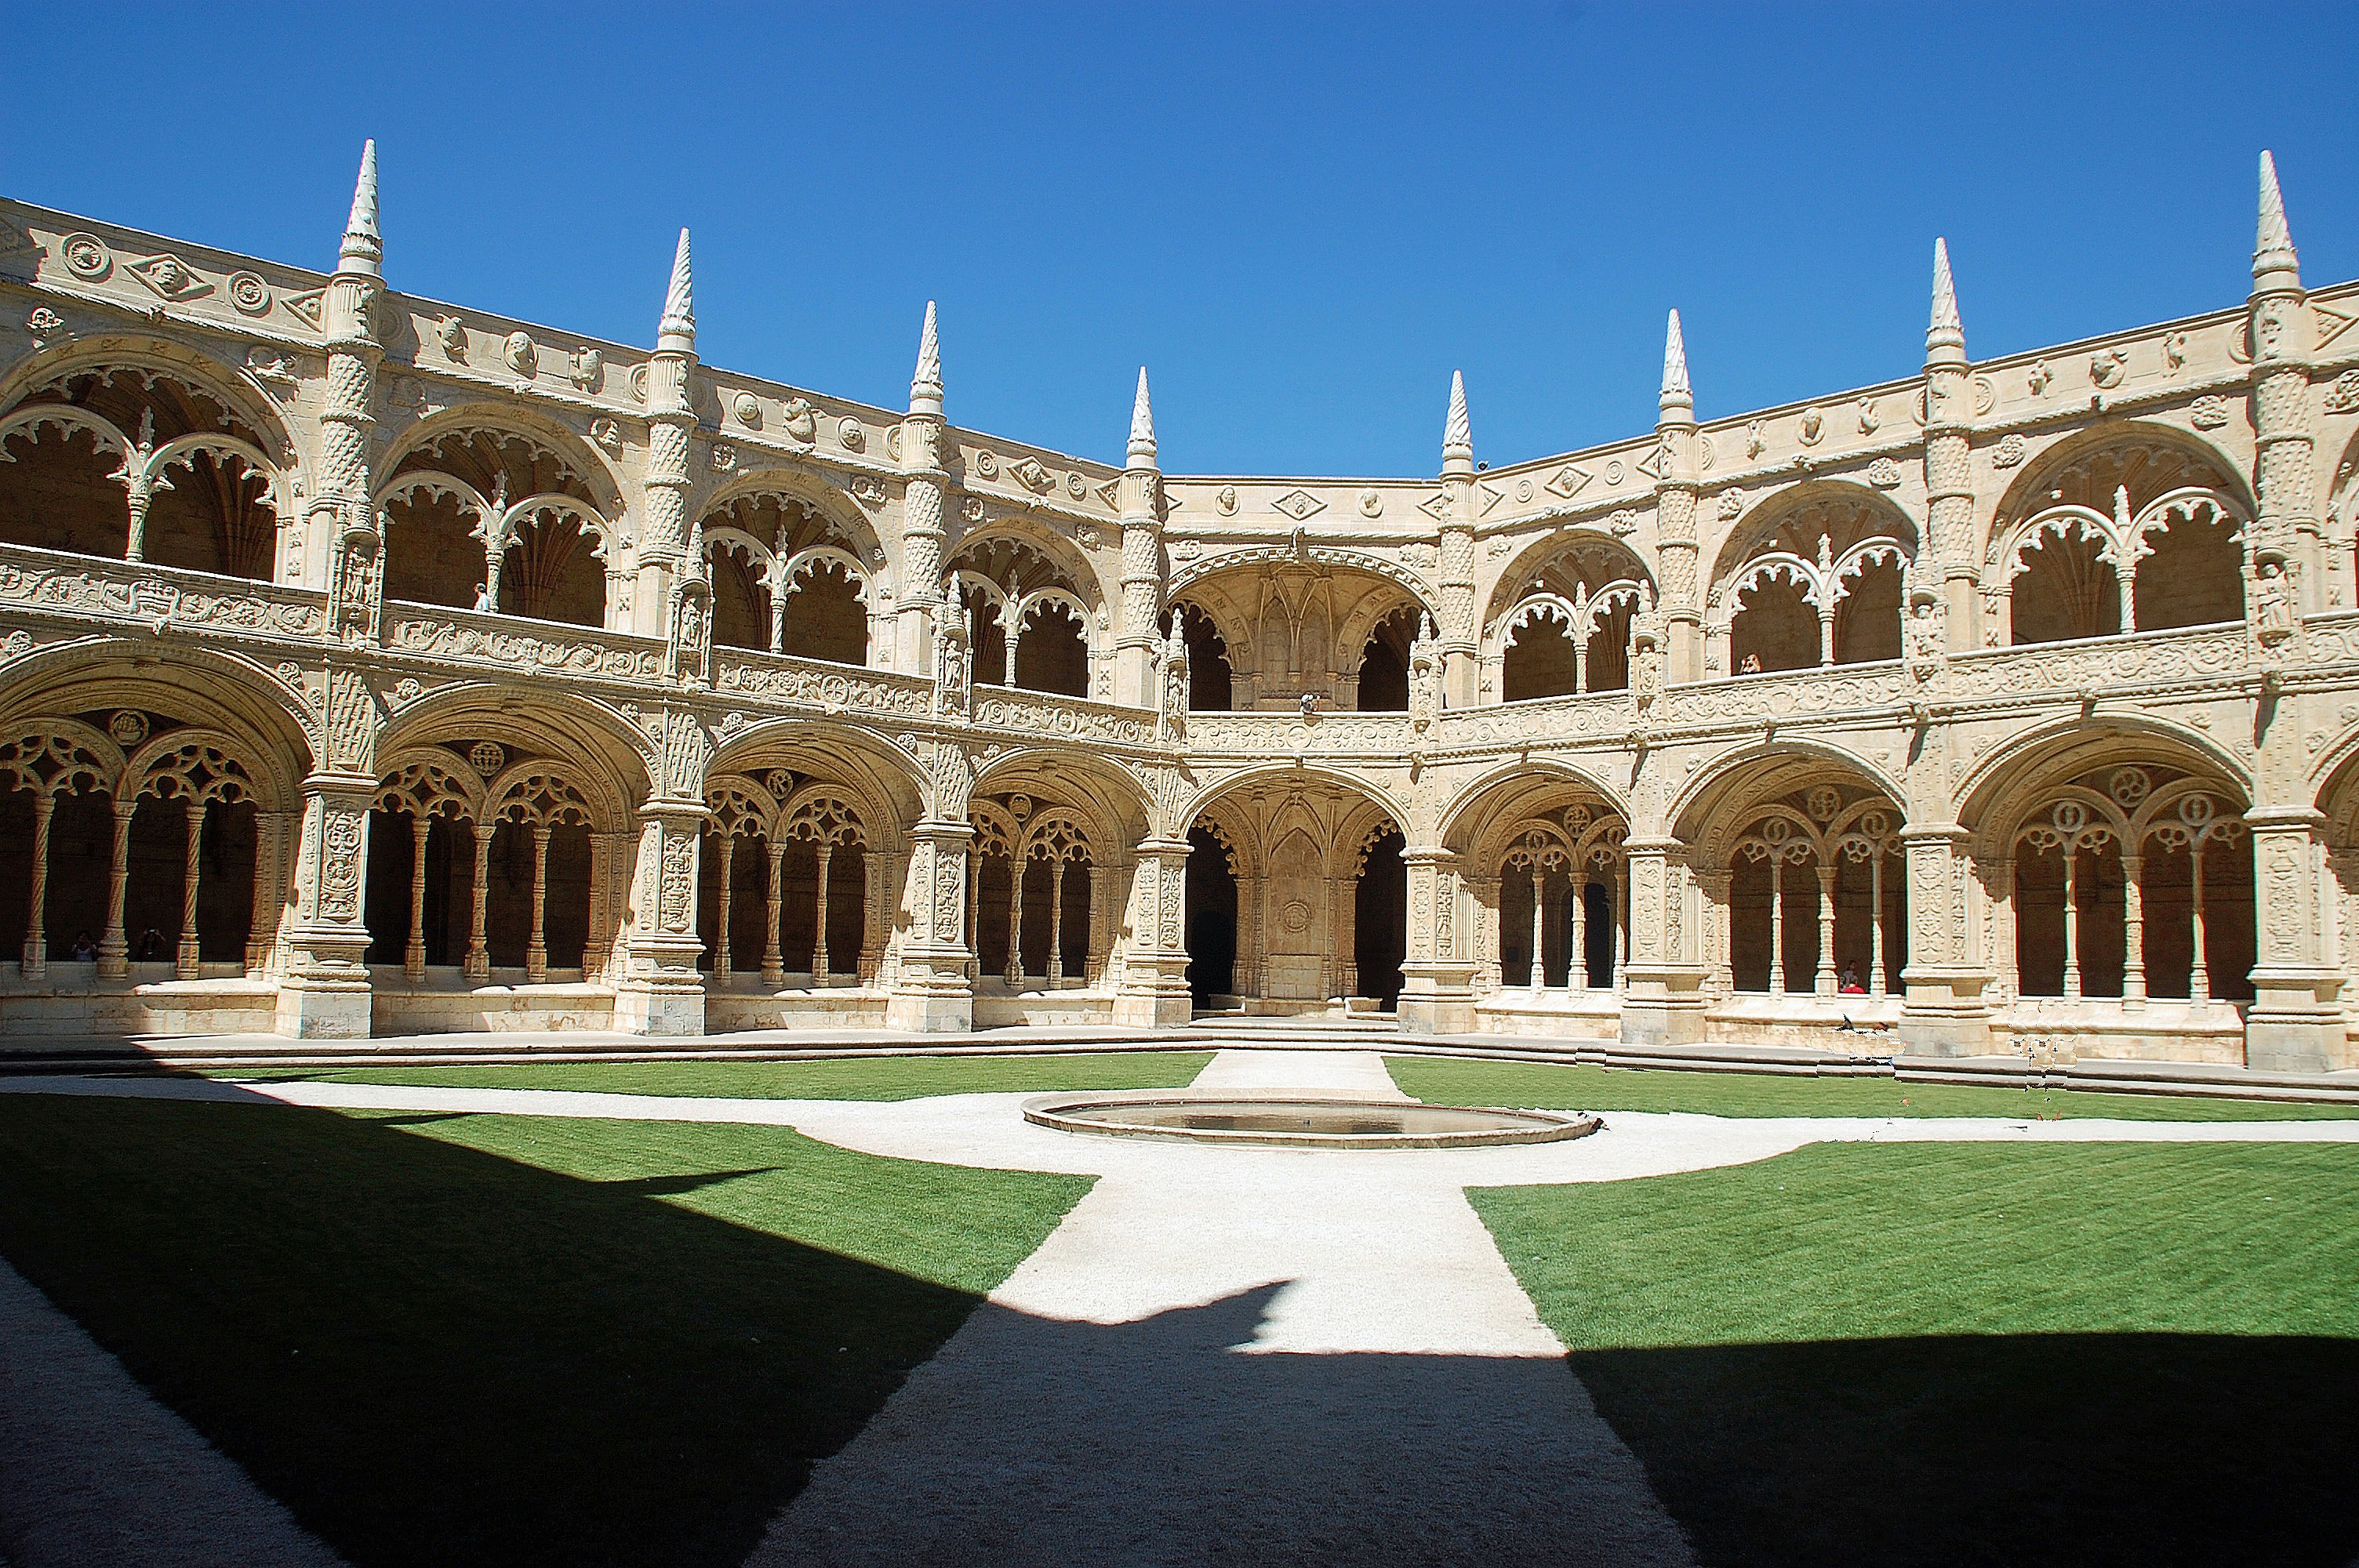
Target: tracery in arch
<point x="1562" y="904"/>
<point x="136" y="464"/>
<point x="793" y="901"/>
<point x="2134" y="532"/>
<point x="1563" y="626"/>
<point x="1289" y="629"/>
<point x="1817" y="896"/>
<point x="1813" y="579"/>
<point x="786" y="578"/>
<point x="1028" y="620"/>
<point x="1029" y="909"/>
<point x="483" y="518"/>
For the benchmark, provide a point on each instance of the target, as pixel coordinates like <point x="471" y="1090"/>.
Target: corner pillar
<point x="324" y="993"/>
<point x="931" y="993"/>
<point x="1154" y="991"/>
<point x="1663" y="983"/>
<point x="2295" y="1024"/>
<point x="1943" y="1010"/>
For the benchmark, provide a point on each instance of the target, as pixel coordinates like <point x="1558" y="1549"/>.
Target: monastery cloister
<point x="372" y="666"/>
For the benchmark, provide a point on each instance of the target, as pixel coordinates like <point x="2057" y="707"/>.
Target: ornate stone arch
<point x="889" y="783"/>
<point x="1231" y="783"/>
<point x="1996" y="793"/>
<point x="1502" y="795"/>
<point x="612" y="762"/>
<point x="1225" y="560"/>
<point x="1612" y="559"/>
<point x="233" y="388"/>
<point x="608" y="493"/>
<point x="1717" y="806"/>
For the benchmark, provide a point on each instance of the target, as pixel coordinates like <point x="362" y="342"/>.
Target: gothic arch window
<point x="1028" y="623"/>
<point x="138" y="465"/>
<point x="1816" y="579"/>
<point x="2133" y="534"/>
<point x="1211" y="685"/>
<point x="1815" y="900"/>
<point x="497" y="520"/>
<point x="787" y="578"/>
<point x="1564" y="623"/>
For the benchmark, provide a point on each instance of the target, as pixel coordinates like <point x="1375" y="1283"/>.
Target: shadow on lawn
<point x="438" y="1356"/>
<point x="2065" y="1449"/>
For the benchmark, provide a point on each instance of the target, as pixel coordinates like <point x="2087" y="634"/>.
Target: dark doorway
<point x="1212" y="918"/>
<point x="1380" y="936"/>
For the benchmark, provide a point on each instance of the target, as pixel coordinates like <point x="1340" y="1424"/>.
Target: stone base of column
<point x="1436" y="998"/>
<point x="931" y="994"/>
<point x="1943" y="1014"/>
<point x="324" y="1005"/>
<point x="1662" y="1007"/>
<point x="2294" y="1024"/>
<point x="1154" y="993"/>
<point x="665" y="1005"/>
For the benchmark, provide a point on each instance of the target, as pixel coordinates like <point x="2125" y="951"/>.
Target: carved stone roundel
<point x="486" y="757"/>
<point x="127" y="728"/>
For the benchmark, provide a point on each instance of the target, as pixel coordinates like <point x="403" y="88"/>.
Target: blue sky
<point x="1300" y="219"/>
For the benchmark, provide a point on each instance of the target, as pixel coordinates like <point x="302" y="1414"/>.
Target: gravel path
<point x="95" y="1474"/>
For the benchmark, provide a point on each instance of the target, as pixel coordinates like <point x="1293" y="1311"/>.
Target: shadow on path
<point x="1035" y="1442"/>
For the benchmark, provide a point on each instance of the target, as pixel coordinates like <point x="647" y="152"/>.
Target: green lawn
<point x="863" y="1078"/>
<point x="1970" y="1354"/>
<point x="1540" y="1086"/>
<point x="486" y="1339"/>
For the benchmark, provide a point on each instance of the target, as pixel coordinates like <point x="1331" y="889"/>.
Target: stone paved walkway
<point x="1236" y="1354"/>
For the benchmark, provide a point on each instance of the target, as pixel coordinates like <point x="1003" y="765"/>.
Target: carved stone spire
<point x="676" y="331"/>
<point x="1457" y="435"/>
<point x="1676" y="392"/>
<point x="926" y="383"/>
<point x="1142" y="427"/>
<point x="2272" y="249"/>
<point x="364" y="248"/>
<point x="1945" y="338"/>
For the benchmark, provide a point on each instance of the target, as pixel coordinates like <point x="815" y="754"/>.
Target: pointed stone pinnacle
<point x="1675" y="364"/>
<point x="1142" y="427"/>
<point x="928" y="378"/>
<point x="677" y="329"/>
<point x="2273" y="245"/>
<point x="1945" y="336"/>
<point x="1457" y="435"/>
<point x="1945" y="289"/>
<point x="363" y="246"/>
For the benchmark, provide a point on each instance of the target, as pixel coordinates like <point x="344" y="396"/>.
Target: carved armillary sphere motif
<point x="486" y="757"/>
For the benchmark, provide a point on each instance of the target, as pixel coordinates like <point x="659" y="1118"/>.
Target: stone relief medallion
<point x="1295" y="918"/>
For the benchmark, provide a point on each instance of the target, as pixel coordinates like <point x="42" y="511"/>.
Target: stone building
<point x="371" y="665"/>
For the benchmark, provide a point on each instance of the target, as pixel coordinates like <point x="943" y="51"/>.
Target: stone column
<point x="774" y="959"/>
<point x="1139" y="500"/>
<point x="1153" y="993"/>
<point x="1945" y="1006"/>
<point x="34" y="959"/>
<point x="1825" y="979"/>
<point x="1576" y="940"/>
<point x="478" y="965"/>
<point x="113" y="947"/>
<point x="930" y="993"/>
<point x="1676" y="490"/>
<point x="324" y="993"/>
<point x="2133" y="934"/>
<point x="2295" y="1024"/>
<point x="1056" y="975"/>
<point x="2285" y="456"/>
<point x="536" y="949"/>
<point x="821" y="961"/>
<point x="1662" y="984"/>
<point x="665" y="549"/>
<point x="1949" y="478"/>
<point x="925" y="489"/>
<point x="413" y="956"/>
<point x="1777" y="924"/>
<point x="660" y="992"/>
<point x="1437" y="993"/>
<point x="721" y="911"/>
<point x="1016" y="864"/>
<point x="1536" y="979"/>
<point x="270" y="828"/>
<point x="1484" y="893"/>
<point x="188" y="951"/>
<point x="1461" y="506"/>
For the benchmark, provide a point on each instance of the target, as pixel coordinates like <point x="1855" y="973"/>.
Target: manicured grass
<point x="865" y="1077"/>
<point x="464" y="1339"/>
<point x="1945" y="1353"/>
<point x="1540" y="1085"/>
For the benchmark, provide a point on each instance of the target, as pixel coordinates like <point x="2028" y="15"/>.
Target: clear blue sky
<point x="1301" y="222"/>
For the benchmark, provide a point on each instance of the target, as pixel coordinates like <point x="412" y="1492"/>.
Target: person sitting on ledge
<point x="1849" y="985"/>
<point x="151" y="945"/>
<point x="84" y="950"/>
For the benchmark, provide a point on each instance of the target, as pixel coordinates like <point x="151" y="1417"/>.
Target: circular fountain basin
<point x="1300" y="1122"/>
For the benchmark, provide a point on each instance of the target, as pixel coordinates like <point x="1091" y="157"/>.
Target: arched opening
<point x="1212" y="919"/>
<point x="135" y="464"/>
<point x="823" y="617"/>
<point x="1867" y="616"/>
<point x="2066" y="590"/>
<point x="1030" y="912"/>
<point x="783" y="884"/>
<point x="551" y="572"/>
<point x="497" y="520"/>
<point x="2141" y="515"/>
<point x="417" y="911"/>
<point x="1815" y="899"/>
<point x="740" y="599"/>
<point x="1380" y="920"/>
<point x="1775" y="628"/>
<point x="1053" y="652"/>
<point x="433" y="553"/>
<point x="1607" y="649"/>
<point x="1384" y="665"/>
<point x="1209" y="684"/>
<point x="1539" y="659"/>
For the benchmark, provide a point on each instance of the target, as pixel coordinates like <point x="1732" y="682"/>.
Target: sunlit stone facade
<point x="374" y="665"/>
